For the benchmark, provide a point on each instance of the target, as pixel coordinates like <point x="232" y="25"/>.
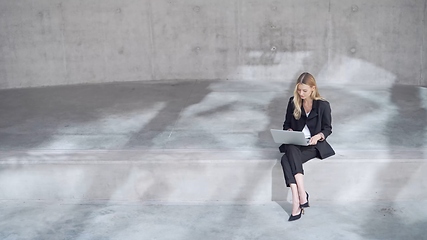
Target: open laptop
<point x="289" y="137"/>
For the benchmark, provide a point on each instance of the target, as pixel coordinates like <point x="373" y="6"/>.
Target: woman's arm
<point x="326" y="120"/>
<point x="326" y="127"/>
<point x="289" y="115"/>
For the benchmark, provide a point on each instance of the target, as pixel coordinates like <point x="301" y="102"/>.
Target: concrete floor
<point x="206" y="117"/>
<point x="362" y="220"/>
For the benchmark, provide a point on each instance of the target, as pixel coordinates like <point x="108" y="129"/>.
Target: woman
<point x="307" y="112"/>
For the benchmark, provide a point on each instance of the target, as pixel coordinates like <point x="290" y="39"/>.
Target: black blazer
<point x="319" y="120"/>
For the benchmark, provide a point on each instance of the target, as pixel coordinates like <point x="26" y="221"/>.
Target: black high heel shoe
<point x="305" y="205"/>
<point x="296" y="217"/>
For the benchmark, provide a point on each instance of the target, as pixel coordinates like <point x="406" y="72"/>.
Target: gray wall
<point x="53" y="42"/>
<point x="424" y="52"/>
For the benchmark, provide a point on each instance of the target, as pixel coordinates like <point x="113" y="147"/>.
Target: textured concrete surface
<point x="137" y="176"/>
<point x="76" y="144"/>
<point x="58" y="42"/>
<point x="203" y="115"/>
<point x="195" y="176"/>
<point x="104" y="144"/>
<point x="380" y="220"/>
<point x="185" y="141"/>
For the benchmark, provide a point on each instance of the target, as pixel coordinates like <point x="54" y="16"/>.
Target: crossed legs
<point x="293" y="171"/>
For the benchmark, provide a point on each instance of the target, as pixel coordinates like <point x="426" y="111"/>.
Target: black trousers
<point x="293" y="159"/>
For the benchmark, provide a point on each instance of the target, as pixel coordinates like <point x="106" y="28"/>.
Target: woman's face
<point x="304" y="90"/>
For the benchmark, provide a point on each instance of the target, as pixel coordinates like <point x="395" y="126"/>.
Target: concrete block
<point x="370" y="179"/>
<point x="206" y="176"/>
<point x="202" y="114"/>
<point x="106" y="41"/>
<point x="31" y="44"/>
<point x="279" y="38"/>
<point x="133" y="176"/>
<point x="194" y="39"/>
<point x="377" y="39"/>
<point x="54" y="43"/>
<point x="424" y="52"/>
<point x="204" y="141"/>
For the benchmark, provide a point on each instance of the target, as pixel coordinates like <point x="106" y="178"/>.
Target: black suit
<point x="318" y="121"/>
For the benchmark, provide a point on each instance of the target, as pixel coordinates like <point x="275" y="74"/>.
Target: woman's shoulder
<point x="322" y="100"/>
<point x="323" y="103"/>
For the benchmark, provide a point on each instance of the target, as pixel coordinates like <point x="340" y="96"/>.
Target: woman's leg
<point x="293" y="171"/>
<point x="291" y="163"/>
<point x="295" y="200"/>
<point x="302" y="196"/>
<point x="290" y="167"/>
<point x="293" y="154"/>
<point x="307" y="153"/>
<point x="287" y="171"/>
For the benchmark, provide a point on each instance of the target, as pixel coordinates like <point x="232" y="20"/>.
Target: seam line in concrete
<point x="152" y="44"/>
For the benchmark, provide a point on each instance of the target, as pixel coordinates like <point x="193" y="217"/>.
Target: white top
<point x="305" y="130"/>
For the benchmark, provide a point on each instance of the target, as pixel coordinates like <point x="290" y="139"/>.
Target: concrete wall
<point x="424" y="59"/>
<point x="54" y="42"/>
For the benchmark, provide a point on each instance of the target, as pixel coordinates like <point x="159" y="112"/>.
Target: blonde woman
<point x="307" y="112"/>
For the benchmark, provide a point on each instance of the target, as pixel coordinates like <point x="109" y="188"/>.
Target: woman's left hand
<point x="314" y="139"/>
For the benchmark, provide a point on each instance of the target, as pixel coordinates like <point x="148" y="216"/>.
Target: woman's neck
<point x="308" y="101"/>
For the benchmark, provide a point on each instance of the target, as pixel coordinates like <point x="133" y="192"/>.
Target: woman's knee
<point x="291" y="148"/>
<point x="284" y="159"/>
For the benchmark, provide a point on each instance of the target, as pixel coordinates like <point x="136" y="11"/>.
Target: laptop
<point x="289" y="137"/>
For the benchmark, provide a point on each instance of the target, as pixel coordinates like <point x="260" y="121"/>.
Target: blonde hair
<point x="308" y="79"/>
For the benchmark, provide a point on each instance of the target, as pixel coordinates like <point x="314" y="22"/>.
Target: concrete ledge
<point x="159" y="176"/>
<point x="205" y="176"/>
